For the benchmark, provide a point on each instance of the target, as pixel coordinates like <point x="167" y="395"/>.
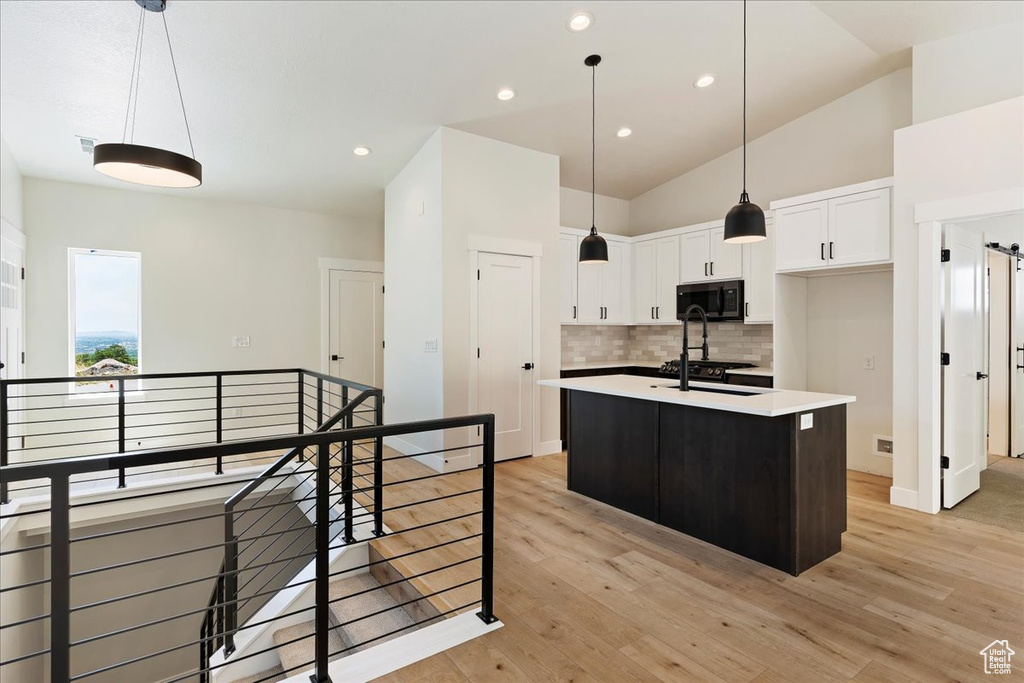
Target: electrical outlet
<point x="240" y="342"/>
<point x="881" y="445"/>
<point x="869" y="362"/>
<point x="807" y="421"/>
<point x="430" y="346"/>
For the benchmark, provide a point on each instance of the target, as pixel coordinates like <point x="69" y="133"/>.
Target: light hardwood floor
<point x="588" y="593"/>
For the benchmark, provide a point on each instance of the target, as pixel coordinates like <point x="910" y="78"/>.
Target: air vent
<point x="882" y="446"/>
<point x="87" y="143"/>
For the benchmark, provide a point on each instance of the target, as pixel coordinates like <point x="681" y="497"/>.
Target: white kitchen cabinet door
<point x="568" y="263"/>
<point x="667" y="279"/>
<point x="646" y="278"/>
<point x="801" y="236"/>
<point x="695" y="257"/>
<point x="590" y="293"/>
<point x="726" y="259"/>
<point x="859" y="228"/>
<point x="615" y="286"/>
<point x="759" y="277"/>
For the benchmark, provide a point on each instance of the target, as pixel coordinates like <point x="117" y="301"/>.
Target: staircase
<point x="363" y="597"/>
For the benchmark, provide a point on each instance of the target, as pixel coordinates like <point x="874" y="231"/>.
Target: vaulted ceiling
<point x="279" y="93"/>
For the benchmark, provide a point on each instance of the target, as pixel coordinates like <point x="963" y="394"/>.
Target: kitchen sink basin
<point x="709" y="390"/>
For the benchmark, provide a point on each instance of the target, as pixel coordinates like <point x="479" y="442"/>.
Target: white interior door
<point x="1017" y="364"/>
<point x="12" y="307"/>
<point x="963" y="325"/>
<point x="505" y="376"/>
<point x="356" y="322"/>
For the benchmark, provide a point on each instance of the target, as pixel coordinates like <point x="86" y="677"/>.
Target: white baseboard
<point x="550" y="447"/>
<point x="905" y="498"/>
<point x="405" y="650"/>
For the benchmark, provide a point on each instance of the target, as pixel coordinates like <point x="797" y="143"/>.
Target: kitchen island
<point x="759" y="472"/>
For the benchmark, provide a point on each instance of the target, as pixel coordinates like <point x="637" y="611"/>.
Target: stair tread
<point x="269" y="676"/>
<point x="298" y="656"/>
<point x="367" y="633"/>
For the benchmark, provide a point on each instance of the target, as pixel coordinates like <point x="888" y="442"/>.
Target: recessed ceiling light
<point x="580" y="21"/>
<point x="506" y="94"/>
<point x="624" y="132"/>
<point x="362" y="151"/>
<point x="704" y="81"/>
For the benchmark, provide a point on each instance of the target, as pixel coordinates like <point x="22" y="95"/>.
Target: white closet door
<point x="964" y="391"/>
<point x="356" y="319"/>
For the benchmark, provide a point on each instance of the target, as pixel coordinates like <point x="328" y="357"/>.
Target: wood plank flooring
<point x="588" y="593"/>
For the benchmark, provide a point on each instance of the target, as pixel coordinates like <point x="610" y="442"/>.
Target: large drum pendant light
<point x="593" y="248"/>
<point x="745" y="221"/>
<point x="138" y="163"/>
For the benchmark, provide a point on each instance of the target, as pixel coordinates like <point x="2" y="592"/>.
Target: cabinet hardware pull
<point x="822" y="251"/>
<point x="574" y="312"/>
<point x="712" y="269"/>
<point x="746" y="309"/>
<point x="705" y="269"/>
<point x="652" y="312"/>
<point x="982" y="375"/>
<point x="830" y="254"/>
<point x="657" y="312"/>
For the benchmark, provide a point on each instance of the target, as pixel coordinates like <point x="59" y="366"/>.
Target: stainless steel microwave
<point x="720" y="300"/>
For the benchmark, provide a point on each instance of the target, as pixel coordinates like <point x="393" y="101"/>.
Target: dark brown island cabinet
<point x="768" y="483"/>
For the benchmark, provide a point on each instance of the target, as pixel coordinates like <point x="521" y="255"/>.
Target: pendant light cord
<point x="178" y="83"/>
<point x="131" y="83"/>
<point x="593" y="146"/>
<point x="744" y="96"/>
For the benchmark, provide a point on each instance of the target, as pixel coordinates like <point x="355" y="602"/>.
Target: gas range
<point x="704" y="370"/>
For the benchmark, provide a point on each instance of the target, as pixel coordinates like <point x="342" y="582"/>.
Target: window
<point x="104" y="316"/>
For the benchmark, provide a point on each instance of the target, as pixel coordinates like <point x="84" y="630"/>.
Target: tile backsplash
<point x="657" y="343"/>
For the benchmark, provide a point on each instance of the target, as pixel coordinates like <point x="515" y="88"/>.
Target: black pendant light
<point x="137" y="163"/>
<point x="593" y="248"/>
<point x="745" y="221"/>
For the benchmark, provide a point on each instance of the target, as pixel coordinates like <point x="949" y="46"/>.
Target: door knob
<point x="528" y="366"/>
<point x="982" y="375"/>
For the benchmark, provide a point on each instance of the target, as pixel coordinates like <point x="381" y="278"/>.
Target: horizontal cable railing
<point x="59" y="417"/>
<point x="166" y="595"/>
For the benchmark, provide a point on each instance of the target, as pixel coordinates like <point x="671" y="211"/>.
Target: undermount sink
<point x="709" y="390"/>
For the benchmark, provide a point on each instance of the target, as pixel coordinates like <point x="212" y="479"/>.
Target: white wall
<point x="999" y="354"/>
<point x="10" y="188"/>
<point x="496" y="189"/>
<point x="850" y="317"/>
<point x="414" y="379"/>
<point x="967" y="71"/>
<point x="211" y="270"/>
<point x="973" y="152"/>
<point x="846" y="141"/>
<point x="612" y="214"/>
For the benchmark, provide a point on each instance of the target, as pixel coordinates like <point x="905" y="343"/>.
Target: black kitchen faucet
<point x="684" y="357"/>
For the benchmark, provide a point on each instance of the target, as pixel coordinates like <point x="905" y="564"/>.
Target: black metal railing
<point x="335" y="488"/>
<point x="59" y="417"/>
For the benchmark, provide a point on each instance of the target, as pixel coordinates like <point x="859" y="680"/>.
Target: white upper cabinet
<point x="696" y="256"/>
<point x="595" y="293"/>
<point x="706" y="256"/>
<point x="656" y="274"/>
<point x="759" y="267"/>
<point x="852" y="228"/>
<point x="668" y="279"/>
<point x="568" y="263"/>
<point x="801" y="236"/>
<point x="726" y="259"/>
<point x="858" y="227"/>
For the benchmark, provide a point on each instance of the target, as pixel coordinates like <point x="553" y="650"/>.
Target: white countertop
<point x="765" y="402"/>
<point x="602" y="364"/>
<point x="756" y="372"/>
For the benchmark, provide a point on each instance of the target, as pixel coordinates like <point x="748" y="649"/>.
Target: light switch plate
<point x="807" y="421"/>
<point x="430" y="346"/>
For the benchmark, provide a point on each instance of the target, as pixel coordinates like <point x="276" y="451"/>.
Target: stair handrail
<point x="227" y="627"/>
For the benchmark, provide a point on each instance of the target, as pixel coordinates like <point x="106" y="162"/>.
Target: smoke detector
<point x="87" y="143"/>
